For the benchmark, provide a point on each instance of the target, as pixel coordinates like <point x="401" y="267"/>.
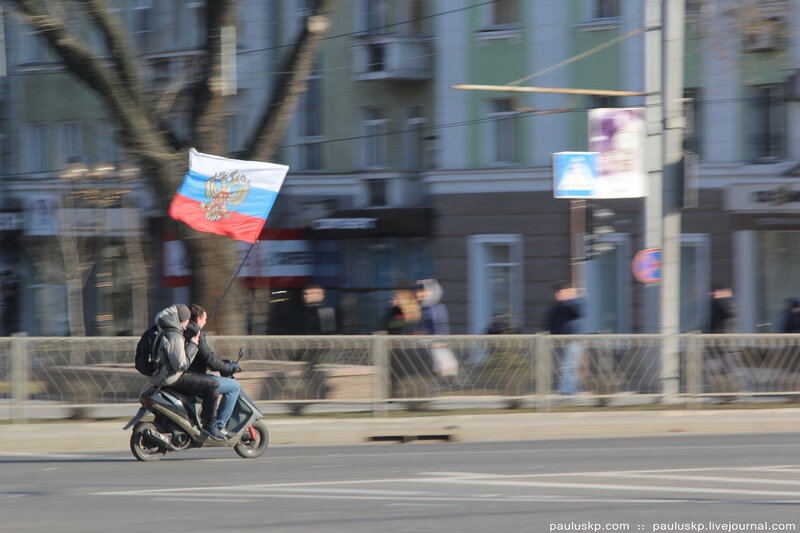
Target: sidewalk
<point x="107" y="436"/>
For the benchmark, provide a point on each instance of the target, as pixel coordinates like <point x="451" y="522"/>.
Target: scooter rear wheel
<point x="143" y="445"/>
<point x="249" y="447"/>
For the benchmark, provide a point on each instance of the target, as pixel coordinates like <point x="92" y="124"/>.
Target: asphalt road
<point x="672" y="483"/>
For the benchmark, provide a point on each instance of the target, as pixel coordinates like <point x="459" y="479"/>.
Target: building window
<point x="273" y="24"/>
<point x="694" y="130"/>
<point x="311" y="123"/>
<point x="597" y="101"/>
<point x="414" y="139"/>
<point x="376" y="16"/>
<point x="34" y="47"/>
<point x="36" y="148"/>
<point x="608" y="285"/>
<point x="377" y="192"/>
<point x="142" y="21"/>
<point x="376" y="129"/>
<point x="70" y="145"/>
<point x="776" y="253"/>
<point x="107" y="148"/>
<point x="415" y="12"/>
<point x="693" y="7"/>
<point x="495" y="279"/>
<point x="604" y="9"/>
<point x="193" y="25"/>
<point x="695" y="282"/>
<point x="767" y="122"/>
<point x="502" y="134"/>
<point x="376" y="57"/>
<point x="504" y="12"/>
<point x="234" y="127"/>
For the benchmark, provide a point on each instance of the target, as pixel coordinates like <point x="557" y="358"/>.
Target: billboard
<point x="618" y="135"/>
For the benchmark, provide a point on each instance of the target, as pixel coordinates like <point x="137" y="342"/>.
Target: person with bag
<point x="206" y="360"/>
<point x="178" y="356"/>
<point x="411" y="366"/>
<point x="434" y="320"/>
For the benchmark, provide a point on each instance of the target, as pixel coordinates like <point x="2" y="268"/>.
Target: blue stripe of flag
<point x="257" y="203"/>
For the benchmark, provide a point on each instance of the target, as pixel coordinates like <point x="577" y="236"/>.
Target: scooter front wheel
<point x="144" y="446"/>
<point x="253" y="443"/>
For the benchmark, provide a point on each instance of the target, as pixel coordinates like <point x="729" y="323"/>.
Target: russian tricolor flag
<point x="227" y="196"/>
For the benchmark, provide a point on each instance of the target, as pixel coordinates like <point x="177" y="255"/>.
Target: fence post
<point x="380" y="359"/>
<point x="19" y="377"/>
<point x="694" y="370"/>
<point x="544" y="370"/>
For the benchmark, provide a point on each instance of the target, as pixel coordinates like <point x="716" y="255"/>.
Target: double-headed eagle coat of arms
<point x="224" y="189"/>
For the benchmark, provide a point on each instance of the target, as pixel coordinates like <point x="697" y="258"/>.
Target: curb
<point x="107" y="436"/>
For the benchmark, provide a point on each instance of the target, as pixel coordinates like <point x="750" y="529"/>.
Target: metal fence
<point x="41" y="375"/>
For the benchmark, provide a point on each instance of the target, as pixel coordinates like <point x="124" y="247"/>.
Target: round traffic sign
<point x="646" y="265"/>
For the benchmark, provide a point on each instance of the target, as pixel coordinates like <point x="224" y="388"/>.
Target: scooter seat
<point x="187" y="398"/>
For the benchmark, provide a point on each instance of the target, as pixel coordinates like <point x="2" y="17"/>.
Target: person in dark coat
<point x="207" y="360"/>
<point x="174" y="373"/>
<point x="791" y="317"/>
<point x="316" y="318"/>
<point x="723" y="311"/>
<point x="725" y="366"/>
<point x="562" y="319"/>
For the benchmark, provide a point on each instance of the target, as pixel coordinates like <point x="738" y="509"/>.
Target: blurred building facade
<point x="396" y="176"/>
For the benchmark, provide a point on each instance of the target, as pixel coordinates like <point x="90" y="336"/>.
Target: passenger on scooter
<point x="180" y="354"/>
<point x="206" y="359"/>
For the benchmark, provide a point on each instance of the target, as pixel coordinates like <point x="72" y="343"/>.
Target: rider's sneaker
<point x="225" y="434"/>
<point x="213" y="432"/>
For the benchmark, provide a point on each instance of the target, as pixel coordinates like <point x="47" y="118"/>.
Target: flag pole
<point x="230" y="283"/>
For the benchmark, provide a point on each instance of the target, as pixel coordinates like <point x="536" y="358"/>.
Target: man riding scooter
<point x="206" y="359"/>
<point x="180" y="353"/>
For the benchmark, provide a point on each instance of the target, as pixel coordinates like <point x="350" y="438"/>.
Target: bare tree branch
<point x="114" y="35"/>
<point x="290" y="86"/>
<point x="206" y="99"/>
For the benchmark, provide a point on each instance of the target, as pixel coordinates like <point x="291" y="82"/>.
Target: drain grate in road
<point x="410" y="438"/>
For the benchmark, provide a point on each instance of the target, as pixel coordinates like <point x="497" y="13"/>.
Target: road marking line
<point x="534" y="450"/>
<point x="200" y="500"/>
<point x="704" y="478"/>
<point x="607" y="486"/>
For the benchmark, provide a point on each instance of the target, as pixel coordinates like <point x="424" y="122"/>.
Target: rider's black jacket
<point x="205" y="358"/>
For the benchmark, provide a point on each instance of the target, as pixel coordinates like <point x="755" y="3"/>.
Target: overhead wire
<point x="385" y="26"/>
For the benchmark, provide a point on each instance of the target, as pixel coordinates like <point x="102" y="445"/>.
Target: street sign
<point x="574" y="174"/>
<point x="646" y="265"/>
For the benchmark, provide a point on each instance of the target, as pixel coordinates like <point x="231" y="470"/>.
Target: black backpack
<point x="149" y="350"/>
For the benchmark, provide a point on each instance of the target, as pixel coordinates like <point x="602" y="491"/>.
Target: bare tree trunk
<point x="115" y="79"/>
<point x="291" y="85"/>
<point x="140" y="318"/>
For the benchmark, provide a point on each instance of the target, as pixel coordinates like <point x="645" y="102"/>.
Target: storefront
<point x="377" y="250"/>
<point x="766" y="241"/>
<point x="79" y="267"/>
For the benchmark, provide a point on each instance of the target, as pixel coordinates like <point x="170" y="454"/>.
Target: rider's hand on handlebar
<point x="235" y="368"/>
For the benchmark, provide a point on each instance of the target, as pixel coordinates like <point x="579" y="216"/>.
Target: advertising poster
<point x="618" y="136"/>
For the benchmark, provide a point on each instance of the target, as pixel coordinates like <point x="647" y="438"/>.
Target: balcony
<point x="392" y="57"/>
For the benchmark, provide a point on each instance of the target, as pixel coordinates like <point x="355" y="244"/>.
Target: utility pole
<point x="664" y="44"/>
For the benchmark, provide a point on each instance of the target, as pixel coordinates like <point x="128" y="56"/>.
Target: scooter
<point x="176" y="425"/>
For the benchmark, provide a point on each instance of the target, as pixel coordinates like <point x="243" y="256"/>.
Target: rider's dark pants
<point x="200" y="385"/>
